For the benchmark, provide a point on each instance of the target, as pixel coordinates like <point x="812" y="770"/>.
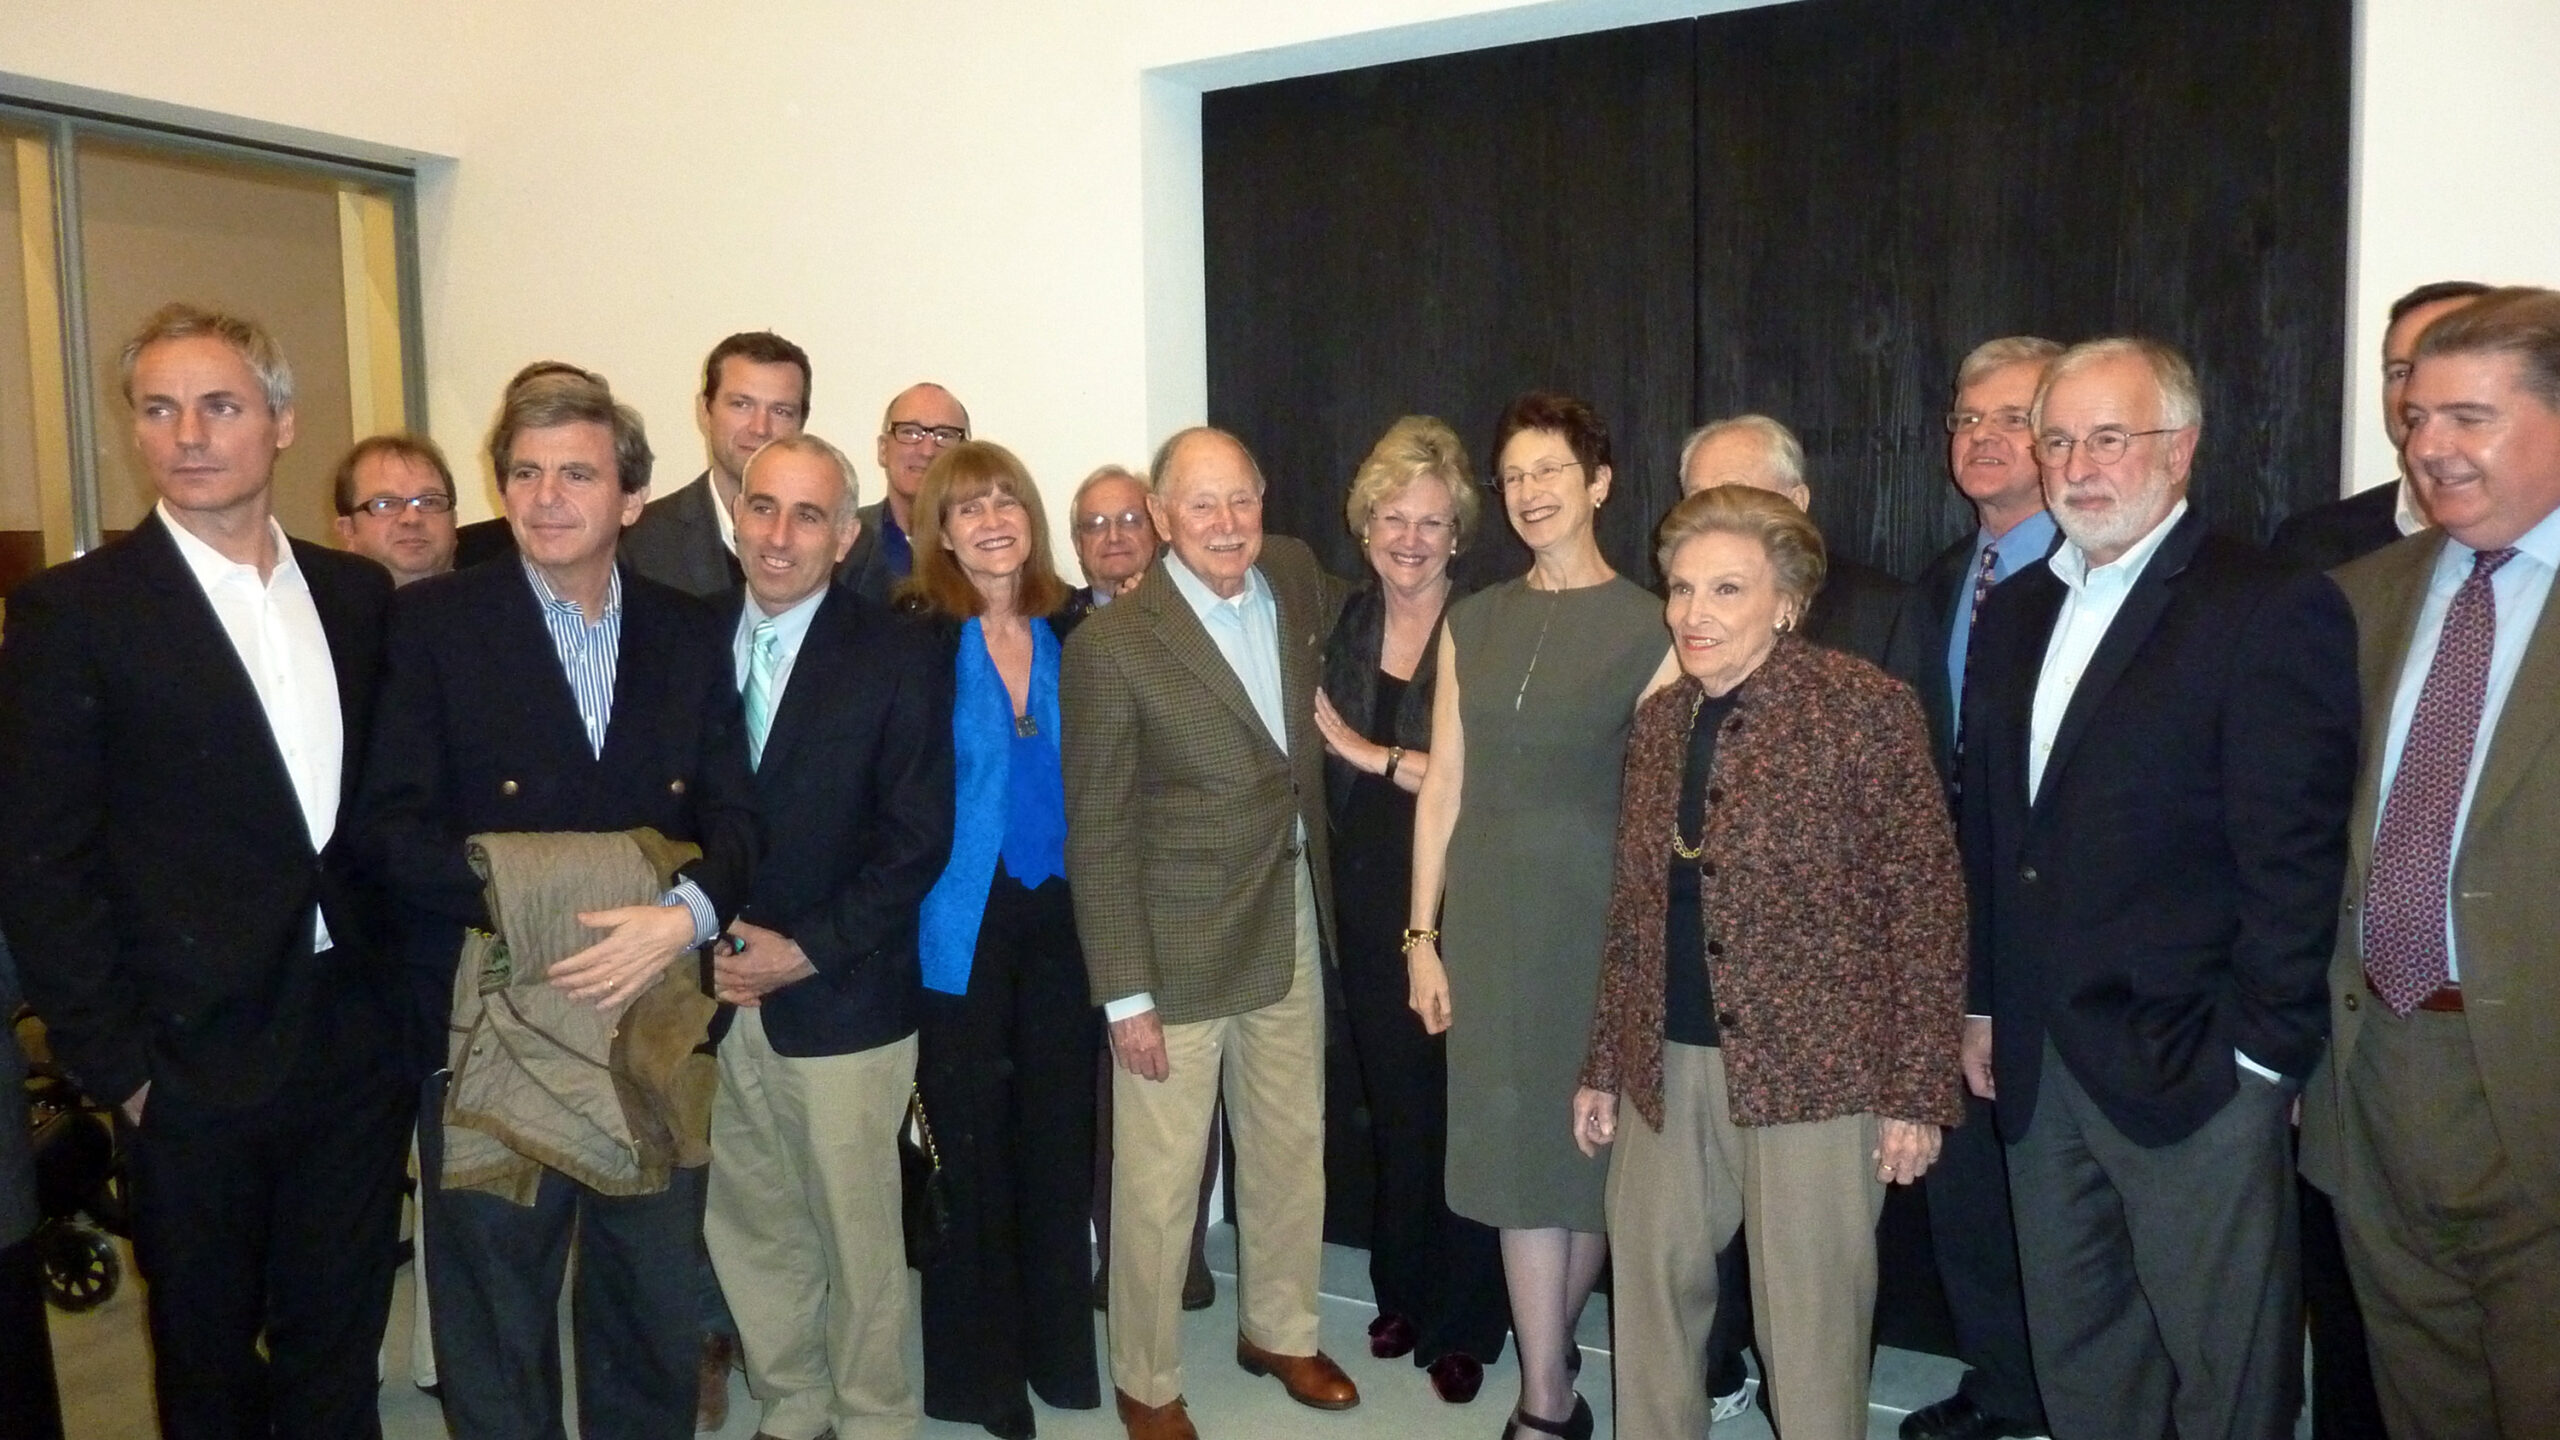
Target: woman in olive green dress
<point x="1538" y="681"/>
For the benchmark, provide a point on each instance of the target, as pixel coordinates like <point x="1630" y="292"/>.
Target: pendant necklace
<point x="1699" y="850"/>
<point x="1555" y="598"/>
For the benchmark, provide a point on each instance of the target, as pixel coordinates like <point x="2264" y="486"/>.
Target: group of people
<point x="660" y="863"/>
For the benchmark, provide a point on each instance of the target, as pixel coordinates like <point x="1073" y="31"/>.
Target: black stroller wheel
<point x="79" y="1264"/>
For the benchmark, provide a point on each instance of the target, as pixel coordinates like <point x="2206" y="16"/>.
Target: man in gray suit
<point x="2435" y="1121"/>
<point x="755" y="388"/>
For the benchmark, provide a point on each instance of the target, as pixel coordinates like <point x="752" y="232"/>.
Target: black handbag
<point x="924" y="1195"/>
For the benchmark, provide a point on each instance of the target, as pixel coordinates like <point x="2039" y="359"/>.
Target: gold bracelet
<point x="1416" y="937"/>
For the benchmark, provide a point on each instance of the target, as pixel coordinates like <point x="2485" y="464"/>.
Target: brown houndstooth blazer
<point x="1180" y="836"/>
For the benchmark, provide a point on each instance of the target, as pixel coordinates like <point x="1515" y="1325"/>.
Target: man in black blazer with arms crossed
<point x="182" y="714"/>
<point x="848" y="717"/>
<point x="2159" y="739"/>
<point x="558" y="692"/>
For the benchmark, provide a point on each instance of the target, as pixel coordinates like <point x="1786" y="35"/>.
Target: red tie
<point x="2412" y="877"/>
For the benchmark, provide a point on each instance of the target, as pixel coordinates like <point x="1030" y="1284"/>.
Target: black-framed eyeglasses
<point x="908" y="432"/>
<point x="2104" y="446"/>
<point x="1125" y="520"/>
<point x="2007" y="421"/>
<point x="386" y="506"/>
<point x="1544" y="474"/>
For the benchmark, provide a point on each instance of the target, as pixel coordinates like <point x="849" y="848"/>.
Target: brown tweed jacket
<point x="1835" y="904"/>
<point x="1180" y="811"/>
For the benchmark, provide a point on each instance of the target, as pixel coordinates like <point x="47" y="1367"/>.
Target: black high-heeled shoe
<point x="1576" y="1426"/>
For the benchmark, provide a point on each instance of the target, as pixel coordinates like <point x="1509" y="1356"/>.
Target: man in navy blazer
<point x="182" y="716"/>
<point x="558" y="692"/>
<point x="848" y="716"/>
<point x="2159" y="739"/>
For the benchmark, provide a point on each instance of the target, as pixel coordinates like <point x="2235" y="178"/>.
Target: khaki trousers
<point x="803" y="1226"/>
<point x="1271" y="1063"/>
<point x="1808" y="1198"/>
<point x="2457" y="1269"/>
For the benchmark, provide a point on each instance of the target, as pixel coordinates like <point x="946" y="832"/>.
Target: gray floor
<point x="106" y="1395"/>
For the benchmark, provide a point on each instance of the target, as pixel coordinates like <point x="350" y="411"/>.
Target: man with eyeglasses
<point x="755" y="388"/>
<point x="922" y="422"/>
<point x="1991" y="455"/>
<point x="1115" y="541"/>
<point x="395" y="505"/>
<point x="2160" y="732"/>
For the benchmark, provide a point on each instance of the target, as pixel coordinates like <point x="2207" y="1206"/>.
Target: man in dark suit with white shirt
<point x="848" y="716"/>
<point x="2325" y="537"/>
<point x="2159" y="737"/>
<point x="182" y="715"/>
<point x="755" y="388"/>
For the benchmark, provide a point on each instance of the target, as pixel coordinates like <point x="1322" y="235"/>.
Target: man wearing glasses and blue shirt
<point x="922" y="422"/>
<point x="395" y="505"/>
<point x="1991" y="455"/>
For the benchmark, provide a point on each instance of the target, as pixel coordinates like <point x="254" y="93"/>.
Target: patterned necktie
<point x="764" y="654"/>
<point x="1982" y="583"/>
<point x="2411" y="881"/>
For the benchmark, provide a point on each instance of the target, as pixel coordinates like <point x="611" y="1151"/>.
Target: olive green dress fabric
<point x="1528" y="884"/>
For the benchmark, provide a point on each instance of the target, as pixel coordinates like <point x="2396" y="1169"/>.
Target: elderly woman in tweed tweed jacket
<point x="1782" y="982"/>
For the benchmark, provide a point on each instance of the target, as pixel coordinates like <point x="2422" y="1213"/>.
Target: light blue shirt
<point x="590" y="656"/>
<point x="789" y="629"/>
<point x="1246" y="630"/>
<point x="2521" y="587"/>
<point x="2027" y="542"/>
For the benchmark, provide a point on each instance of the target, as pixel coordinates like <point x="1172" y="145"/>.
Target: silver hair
<point x="1786" y="453"/>
<point x="2181" y="403"/>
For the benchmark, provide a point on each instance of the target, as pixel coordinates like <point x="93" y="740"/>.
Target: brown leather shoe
<point x="711" y="1404"/>
<point x="1310" y="1379"/>
<point x="1154" y="1422"/>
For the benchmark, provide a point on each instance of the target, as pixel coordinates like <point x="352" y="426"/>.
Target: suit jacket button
<point x="2352" y="1002"/>
<point x="675" y="787"/>
<point x="507" y="787"/>
<point x="2027" y="874"/>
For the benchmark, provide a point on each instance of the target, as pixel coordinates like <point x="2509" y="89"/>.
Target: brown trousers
<point x="1807" y="1197"/>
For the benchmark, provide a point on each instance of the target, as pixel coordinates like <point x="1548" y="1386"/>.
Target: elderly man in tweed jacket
<point x="1195" y="841"/>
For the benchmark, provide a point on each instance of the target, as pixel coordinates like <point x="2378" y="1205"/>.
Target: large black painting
<point x="1809" y="209"/>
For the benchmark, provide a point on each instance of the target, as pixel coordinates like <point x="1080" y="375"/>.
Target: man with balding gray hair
<point x="1859" y="608"/>
<point x="1196" y="843"/>
<point x="848" y="719"/>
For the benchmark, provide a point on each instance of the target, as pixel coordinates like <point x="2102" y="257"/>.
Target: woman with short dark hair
<point x="1538" y="678"/>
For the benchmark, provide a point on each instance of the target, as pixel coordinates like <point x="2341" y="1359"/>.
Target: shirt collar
<point x="790" y="627"/>
<point x="211" y="567"/>
<point x="2071" y="564"/>
<point x="550" y="599"/>
<point x="2025" y="542"/>
<point x="2540" y="544"/>
<point x="720" y="515"/>
<point x="2405" y="514"/>
<point x="1205" y="601"/>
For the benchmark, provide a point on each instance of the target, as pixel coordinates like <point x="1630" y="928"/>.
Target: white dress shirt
<point x="2097" y="594"/>
<point x="275" y="629"/>
<point x="2521" y="588"/>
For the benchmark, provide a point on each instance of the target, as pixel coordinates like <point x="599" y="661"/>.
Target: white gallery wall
<point x="1002" y="194"/>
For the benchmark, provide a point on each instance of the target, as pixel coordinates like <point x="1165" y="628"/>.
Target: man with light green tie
<point x="848" y="712"/>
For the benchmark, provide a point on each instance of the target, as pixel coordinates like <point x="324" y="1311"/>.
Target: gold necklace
<point x="1699" y="850"/>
